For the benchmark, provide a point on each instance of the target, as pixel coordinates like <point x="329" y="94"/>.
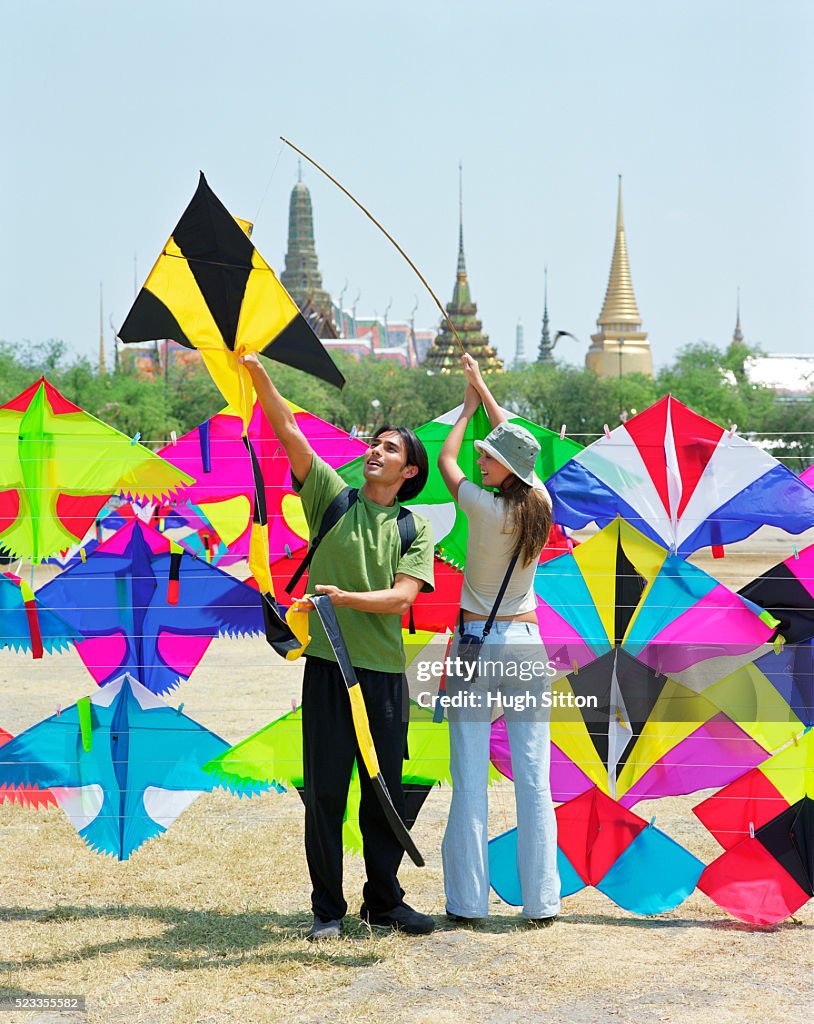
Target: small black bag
<point x="469" y="647"/>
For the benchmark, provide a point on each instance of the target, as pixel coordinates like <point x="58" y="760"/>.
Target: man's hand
<point x="338" y="597"/>
<point x="395" y="601"/>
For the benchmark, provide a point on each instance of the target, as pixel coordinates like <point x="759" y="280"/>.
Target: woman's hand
<point x="471" y="400"/>
<point x="472" y="371"/>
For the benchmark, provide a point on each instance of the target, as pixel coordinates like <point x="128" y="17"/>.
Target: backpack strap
<point x="407" y="533"/>
<point x="330" y="517"/>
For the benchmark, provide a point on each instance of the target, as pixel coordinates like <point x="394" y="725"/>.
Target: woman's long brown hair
<point x="531" y="513"/>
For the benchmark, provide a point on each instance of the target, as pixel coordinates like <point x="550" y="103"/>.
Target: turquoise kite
<point x="121" y="763"/>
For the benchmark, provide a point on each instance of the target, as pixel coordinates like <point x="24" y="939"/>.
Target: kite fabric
<point x="601" y="843"/>
<point x="765" y="822"/>
<point x="146" y="606"/>
<point x="682" y="480"/>
<point x="121" y="763"/>
<point x="273" y="756"/>
<point x="448" y="521"/>
<point x="211" y="290"/>
<point x="224" y="489"/>
<point x="620" y="589"/>
<point x="787" y="592"/>
<point x="25" y="796"/>
<point x="25" y="625"/>
<point x="58" y="467"/>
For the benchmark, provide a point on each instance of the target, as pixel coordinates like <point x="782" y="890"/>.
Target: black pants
<point x="329" y="750"/>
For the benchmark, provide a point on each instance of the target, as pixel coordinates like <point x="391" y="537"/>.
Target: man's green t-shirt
<point x="361" y="553"/>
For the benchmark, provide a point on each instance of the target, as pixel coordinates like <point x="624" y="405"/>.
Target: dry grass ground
<point x="206" y="924"/>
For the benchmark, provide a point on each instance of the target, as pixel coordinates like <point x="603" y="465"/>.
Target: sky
<point x="110" y="109"/>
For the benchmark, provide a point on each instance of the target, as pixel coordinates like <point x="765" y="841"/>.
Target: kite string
<point x="387" y="235"/>
<point x="268" y="184"/>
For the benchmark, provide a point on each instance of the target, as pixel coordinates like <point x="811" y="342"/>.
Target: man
<point x="360" y="566"/>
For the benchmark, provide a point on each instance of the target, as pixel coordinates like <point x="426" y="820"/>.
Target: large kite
<point x="121" y="763"/>
<point x="148" y="607"/>
<point x="621" y="590"/>
<point x="765" y="823"/>
<point x="601" y="843"/>
<point x="58" y="467"/>
<point x="211" y="290"/>
<point x="448" y="521"/>
<point x="682" y="480"/>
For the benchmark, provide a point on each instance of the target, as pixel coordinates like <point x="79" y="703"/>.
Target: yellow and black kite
<point x="211" y="290"/>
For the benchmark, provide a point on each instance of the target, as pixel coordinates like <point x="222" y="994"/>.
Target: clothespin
<point x="135" y="438"/>
<point x="59" y="710"/>
<point x="288" y="552"/>
<point x="607" y="430"/>
<point x="180" y="708"/>
<point x="354" y="430"/>
<point x="751" y="830"/>
<point x="779" y="644"/>
<point x="732" y="429"/>
<point x="796" y="552"/>
<point x="652" y="821"/>
<point x="173" y="438"/>
<point x="576" y="668"/>
<point x="562" y="432"/>
<point x="83" y="555"/>
<point x="293" y="704"/>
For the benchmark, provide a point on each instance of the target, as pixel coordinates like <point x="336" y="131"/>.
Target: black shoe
<point x="401" y="919"/>
<point x="541" y="922"/>
<point x="464" y="922"/>
<point x="320" y="930"/>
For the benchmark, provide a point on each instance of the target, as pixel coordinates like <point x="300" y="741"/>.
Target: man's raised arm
<point x="299" y="451"/>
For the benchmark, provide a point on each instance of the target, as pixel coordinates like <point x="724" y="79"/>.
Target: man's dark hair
<point x="416" y="456"/>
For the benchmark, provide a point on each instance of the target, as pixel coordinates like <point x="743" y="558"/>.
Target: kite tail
<point x="278" y="634"/>
<point x="30" y="605"/>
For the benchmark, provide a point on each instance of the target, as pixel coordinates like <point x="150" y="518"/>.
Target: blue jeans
<point x="464" y="849"/>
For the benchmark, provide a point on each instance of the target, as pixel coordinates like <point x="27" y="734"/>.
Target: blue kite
<point x="122" y="764"/>
<point x="147" y="606"/>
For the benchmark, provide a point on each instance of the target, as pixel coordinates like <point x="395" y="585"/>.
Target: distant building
<point x="519" y="347"/>
<point x="791" y="376"/>
<point x="445" y="353"/>
<point x="301" y="277"/>
<point x="620" y="346"/>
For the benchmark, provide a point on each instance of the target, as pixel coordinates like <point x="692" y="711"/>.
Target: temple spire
<point x="737" y="337"/>
<point x="620" y="302"/>
<point x="444" y="354"/>
<point x="620" y="346"/>
<point x="461" y="260"/>
<point x="545" y="352"/>
<point x="301" y="277"/>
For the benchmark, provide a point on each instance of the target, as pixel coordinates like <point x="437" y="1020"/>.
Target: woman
<point x="514" y="521"/>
